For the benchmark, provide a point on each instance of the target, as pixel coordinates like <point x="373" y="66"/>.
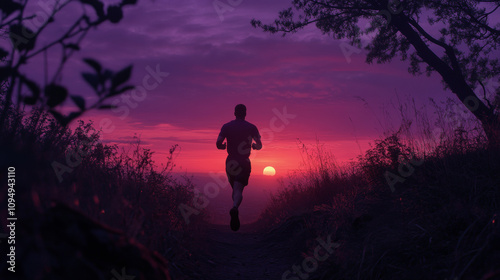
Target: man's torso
<point x="239" y="135"/>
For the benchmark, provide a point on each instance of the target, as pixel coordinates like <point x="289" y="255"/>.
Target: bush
<point x="122" y="189"/>
<point x="439" y="222"/>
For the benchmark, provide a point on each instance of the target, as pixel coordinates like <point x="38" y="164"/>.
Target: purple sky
<point x="214" y="65"/>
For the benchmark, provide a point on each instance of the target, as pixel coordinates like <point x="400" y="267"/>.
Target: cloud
<point x="215" y="65"/>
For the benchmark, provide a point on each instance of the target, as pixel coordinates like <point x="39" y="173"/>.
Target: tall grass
<point x="440" y="222"/>
<point x="122" y="188"/>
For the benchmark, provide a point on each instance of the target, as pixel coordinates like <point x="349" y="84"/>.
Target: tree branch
<point x="450" y="52"/>
<point x="345" y="7"/>
<point x="426" y="35"/>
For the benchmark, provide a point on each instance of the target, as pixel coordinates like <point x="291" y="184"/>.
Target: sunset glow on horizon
<point x="269" y="171"/>
<point x="299" y="89"/>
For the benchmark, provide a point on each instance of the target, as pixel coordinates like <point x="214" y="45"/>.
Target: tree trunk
<point x="455" y="81"/>
<point x="489" y="120"/>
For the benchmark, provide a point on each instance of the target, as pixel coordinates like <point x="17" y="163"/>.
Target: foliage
<point x="462" y="49"/>
<point x="440" y="222"/>
<point x="24" y="33"/>
<point x="464" y="23"/>
<point x="123" y="189"/>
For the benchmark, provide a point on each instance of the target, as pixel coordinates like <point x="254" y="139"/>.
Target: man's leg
<point x="237" y="197"/>
<point x="238" y="171"/>
<point x="237" y="193"/>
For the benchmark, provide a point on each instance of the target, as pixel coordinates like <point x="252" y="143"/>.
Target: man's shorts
<point x="238" y="169"/>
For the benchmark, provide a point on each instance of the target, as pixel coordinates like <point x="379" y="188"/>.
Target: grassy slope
<point x="440" y="223"/>
<point x="118" y="189"/>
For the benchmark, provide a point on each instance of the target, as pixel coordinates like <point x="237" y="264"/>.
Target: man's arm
<point x="258" y="144"/>
<point x="219" y="143"/>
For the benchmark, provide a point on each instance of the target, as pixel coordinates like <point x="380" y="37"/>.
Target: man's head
<point x="240" y="111"/>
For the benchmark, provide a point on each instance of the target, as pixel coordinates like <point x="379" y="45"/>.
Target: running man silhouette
<point x="240" y="135"/>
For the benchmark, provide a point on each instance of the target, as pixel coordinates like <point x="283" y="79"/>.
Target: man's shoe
<point x="235" y="221"/>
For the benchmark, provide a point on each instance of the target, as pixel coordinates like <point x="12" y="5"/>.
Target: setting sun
<point x="269" y="171"/>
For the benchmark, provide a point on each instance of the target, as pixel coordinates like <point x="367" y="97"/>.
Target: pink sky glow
<point x="213" y="65"/>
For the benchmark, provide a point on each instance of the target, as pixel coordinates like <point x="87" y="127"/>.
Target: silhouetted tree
<point x="457" y="39"/>
<point x="21" y="30"/>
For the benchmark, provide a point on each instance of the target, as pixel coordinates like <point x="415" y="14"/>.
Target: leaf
<point x="79" y="101"/>
<point x="94" y="64"/>
<point x="22" y="37"/>
<point x="3" y="53"/>
<point x="6" y="72"/>
<point x="35" y="91"/>
<point x="97" y="5"/>
<point x="115" y="14"/>
<point x="91" y="79"/>
<point x="72" y="116"/>
<point x="9" y="6"/>
<point x="72" y="46"/>
<point x="59" y="117"/>
<point x="107" y="106"/>
<point x="30" y="100"/>
<point x="105" y="76"/>
<point x="120" y="91"/>
<point x="56" y="94"/>
<point x="129" y="2"/>
<point x="32" y="86"/>
<point x="121" y="77"/>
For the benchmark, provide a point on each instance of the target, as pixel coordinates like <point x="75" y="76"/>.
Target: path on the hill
<point x="245" y="254"/>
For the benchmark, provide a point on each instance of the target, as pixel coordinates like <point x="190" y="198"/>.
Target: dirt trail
<point x="245" y="254"/>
